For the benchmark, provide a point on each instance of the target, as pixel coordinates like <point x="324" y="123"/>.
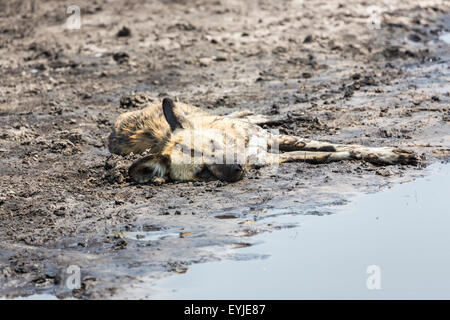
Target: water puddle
<point x="150" y="235"/>
<point x="388" y="245"/>
<point x="445" y="37"/>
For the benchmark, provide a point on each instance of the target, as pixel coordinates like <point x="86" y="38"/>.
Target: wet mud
<point x="326" y="68"/>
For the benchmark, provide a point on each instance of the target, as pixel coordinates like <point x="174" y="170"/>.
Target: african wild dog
<point x="187" y="144"/>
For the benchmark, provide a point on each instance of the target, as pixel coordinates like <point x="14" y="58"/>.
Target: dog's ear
<point x="174" y="116"/>
<point x="149" y="167"/>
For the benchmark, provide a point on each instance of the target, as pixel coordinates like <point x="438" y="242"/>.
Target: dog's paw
<point x="406" y="157"/>
<point x="387" y="156"/>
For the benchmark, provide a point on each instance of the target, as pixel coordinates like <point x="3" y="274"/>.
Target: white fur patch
<point x="158" y="170"/>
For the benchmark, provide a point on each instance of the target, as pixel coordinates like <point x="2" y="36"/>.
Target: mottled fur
<point x="185" y="143"/>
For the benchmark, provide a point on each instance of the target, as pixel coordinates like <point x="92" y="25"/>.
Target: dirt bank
<point x="327" y="66"/>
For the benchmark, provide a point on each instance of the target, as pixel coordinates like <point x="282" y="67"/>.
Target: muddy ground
<point x="326" y="67"/>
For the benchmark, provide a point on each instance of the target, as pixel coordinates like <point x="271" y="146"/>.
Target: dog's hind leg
<point x="375" y="155"/>
<point x="257" y="119"/>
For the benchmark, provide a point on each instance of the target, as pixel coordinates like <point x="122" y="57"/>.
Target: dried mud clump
<point x="116" y="169"/>
<point x="135" y="100"/>
<point x="64" y="147"/>
<point x="124" y="32"/>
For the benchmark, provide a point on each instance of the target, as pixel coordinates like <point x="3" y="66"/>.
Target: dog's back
<point x="137" y="131"/>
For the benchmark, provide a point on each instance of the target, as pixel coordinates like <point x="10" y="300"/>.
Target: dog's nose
<point x="228" y="172"/>
<point x="235" y="173"/>
<point x="237" y="168"/>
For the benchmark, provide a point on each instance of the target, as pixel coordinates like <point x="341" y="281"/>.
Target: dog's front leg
<point x="300" y="156"/>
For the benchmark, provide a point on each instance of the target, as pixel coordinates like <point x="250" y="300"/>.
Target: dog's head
<point x="194" y="151"/>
